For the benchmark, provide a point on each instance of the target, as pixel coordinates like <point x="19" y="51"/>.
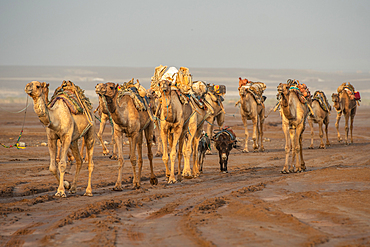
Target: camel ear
<point x="45" y="85"/>
<point x="117" y="85"/>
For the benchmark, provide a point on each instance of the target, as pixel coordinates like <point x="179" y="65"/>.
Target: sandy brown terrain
<point x="253" y="205"/>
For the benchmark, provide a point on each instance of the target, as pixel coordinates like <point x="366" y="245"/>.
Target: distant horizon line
<point x="148" y="67"/>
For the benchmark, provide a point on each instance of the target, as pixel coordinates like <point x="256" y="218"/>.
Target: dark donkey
<point x="225" y="140"/>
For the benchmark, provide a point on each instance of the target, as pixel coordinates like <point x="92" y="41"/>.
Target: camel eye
<point x="38" y="86"/>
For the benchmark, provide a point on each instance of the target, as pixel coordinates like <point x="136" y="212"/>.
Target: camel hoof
<point x="158" y="154"/>
<point x="284" y="172"/>
<point x="60" y="194"/>
<point x="88" y="194"/>
<point x="117" y="188"/>
<point x="153" y="181"/>
<point x="245" y="151"/>
<point x="187" y="174"/>
<point x="66" y="184"/>
<point x="262" y="149"/>
<point x="172" y="181"/>
<point x="113" y="157"/>
<point x="209" y="152"/>
<point x="105" y="153"/>
<point x="225" y="172"/>
<point x="310" y="147"/>
<point x="72" y="190"/>
<point x="322" y="147"/>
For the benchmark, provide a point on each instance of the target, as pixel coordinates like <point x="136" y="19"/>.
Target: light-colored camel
<point x="62" y="124"/>
<point x="344" y="105"/>
<point x="129" y="120"/>
<point x="293" y="115"/>
<point x="320" y="117"/>
<point x="176" y="119"/>
<point x="251" y="110"/>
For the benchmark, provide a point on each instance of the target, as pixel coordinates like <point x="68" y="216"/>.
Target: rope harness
<point x="20" y="135"/>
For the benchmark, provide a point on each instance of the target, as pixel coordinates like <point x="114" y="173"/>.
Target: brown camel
<point x="68" y="127"/>
<point x="251" y="110"/>
<point x="321" y="110"/>
<point x="293" y="114"/>
<point x="131" y="121"/>
<point x="347" y="106"/>
<point x="105" y="117"/>
<point x="218" y="115"/>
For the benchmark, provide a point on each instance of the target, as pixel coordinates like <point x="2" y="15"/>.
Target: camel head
<point x="36" y="89"/>
<point x="108" y="89"/>
<point x="165" y="86"/>
<point x="199" y="88"/>
<point x="335" y="99"/>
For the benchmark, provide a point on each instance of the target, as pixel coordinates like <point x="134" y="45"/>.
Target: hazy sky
<point x="320" y="35"/>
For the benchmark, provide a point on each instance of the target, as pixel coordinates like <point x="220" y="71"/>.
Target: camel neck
<point x="42" y="111"/>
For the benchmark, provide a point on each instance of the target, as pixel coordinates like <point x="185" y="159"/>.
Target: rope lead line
<point x="20" y="135"/>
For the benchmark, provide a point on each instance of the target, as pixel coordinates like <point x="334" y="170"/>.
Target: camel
<point x="320" y="116"/>
<point x="219" y="114"/>
<point x="105" y="117"/>
<point x="347" y="106"/>
<point x="129" y="120"/>
<point x="175" y="120"/>
<point x="251" y="109"/>
<point x="61" y="124"/>
<point x="293" y="114"/>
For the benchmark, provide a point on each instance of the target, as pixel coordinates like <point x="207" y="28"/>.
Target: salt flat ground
<point x="253" y="205"/>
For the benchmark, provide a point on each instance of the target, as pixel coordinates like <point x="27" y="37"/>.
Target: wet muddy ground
<point x="253" y="205"/>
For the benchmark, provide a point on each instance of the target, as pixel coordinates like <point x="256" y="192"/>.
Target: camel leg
<point x="89" y="140"/>
<point x="353" y="113"/>
<point x="159" y="142"/>
<point x="164" y="137"/>
<point x="149" y="139"/>
<point x="321" y="135"/>
<point x="303" y="164"/>
<point x="85" y="159"/>
<point x="310" y="122"/>
<point x="245" y="150"/>
<point x="134" y="140"/>
<point x="293" y="141"/>
<point x="179" y="154"/>
<point x="209" y="131"/>
<point x="261" y="121"/>
<point x="300" y="166"/>
<point x="104" y="119"/>
<point x="287" y="148"/>
<point x="77" y="155"/>
<point x="195" y="148"/>
<point x="346" y="117"/>
<point x="118" y="138"/>
<point x="326" y="122"/>
<point x="255" y="134"/>
<point x="139" y="146"/>
<point x="52" y="145"/>
<point x="176" y="136"/>
<point x="339" y="115"/>
<point x="66" y="142"/>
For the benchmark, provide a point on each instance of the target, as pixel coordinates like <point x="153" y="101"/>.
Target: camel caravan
<point x="180" y="116"/>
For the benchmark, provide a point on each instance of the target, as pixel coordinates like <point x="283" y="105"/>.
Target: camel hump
<point x="73" y="96"/>
<point x="323" y="101"/>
